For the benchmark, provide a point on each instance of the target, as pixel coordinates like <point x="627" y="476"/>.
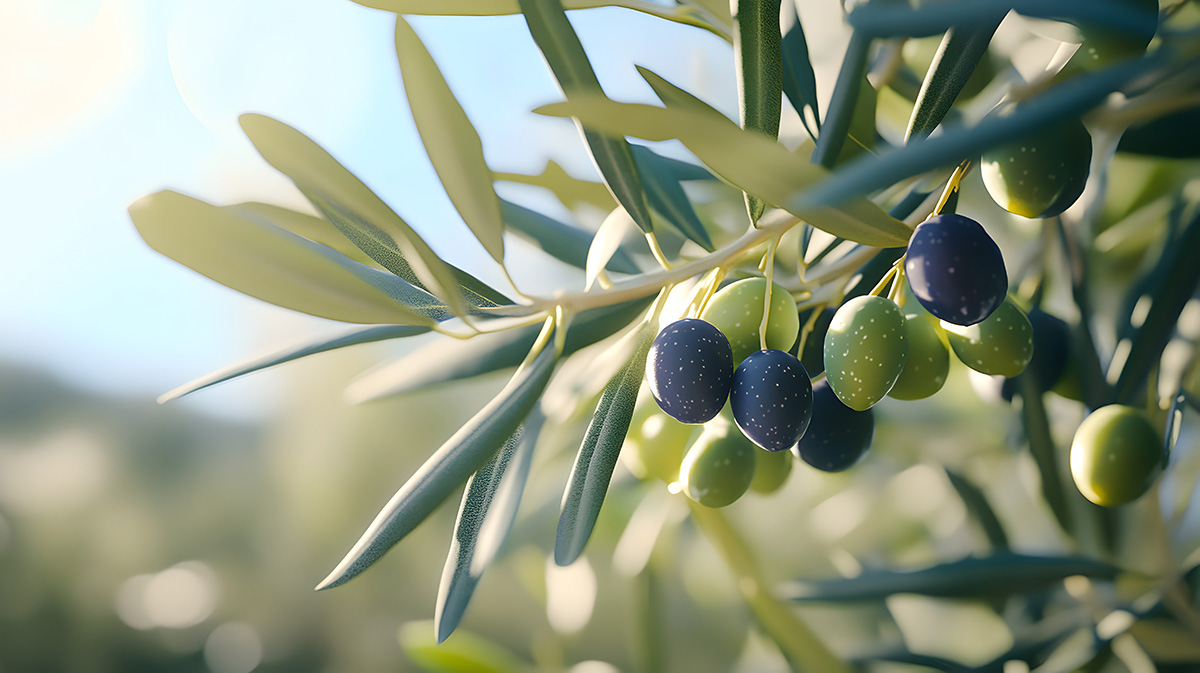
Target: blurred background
<point x="187" y="537"/>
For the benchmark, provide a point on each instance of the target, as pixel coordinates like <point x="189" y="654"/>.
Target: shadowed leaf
<point x="667" y="196"/>
<point x="799" y="82"/>
<point x="559" y="240"/>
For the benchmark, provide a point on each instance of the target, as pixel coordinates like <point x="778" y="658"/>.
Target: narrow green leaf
<point x="1043" y="450"/>
<point x="467" y="653"/>
<point x="1176" y="288"/>
<point x="952" y="66"/>
<point x="564" y="54"/>
<point x="757" y="49"/>
<point x="1069" y="99"/>
<point x="750" y="161"/>
<point x="489" y="507"/>
<point x="453" y="360"/>
<point x="972" y="577"/>
<point x="347" y="202"/>
<point x="257" y="258"/>
<point x="843" y="102"/>
<point x="799" y="82"/>
<point x="667" y="197"/>
<point x="569" y="190"/>
<point x="452" y="143"/>
<point x="312" y="227"/>
<point x="449" y="467"/>
<point x="358" y="336"/>
<point x="558" y="239"/>
<point x="679" y="171"/>
<point x="901" y="655"/>
<point x="888" y="20"/>
<point x="598" y="454"/>
<point x="980" y="509"/>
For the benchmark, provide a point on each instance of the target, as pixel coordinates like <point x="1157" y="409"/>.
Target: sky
<point x="103" y="101"/>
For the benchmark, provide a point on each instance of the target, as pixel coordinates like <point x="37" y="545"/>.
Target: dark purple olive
<point x="838" y="435"/>
<point x="772" y="399"/>
<point x="1051" y="352"/>
<point x="690" y="369"/>
<point x="955" y="269"/>
<point x="813" y="356"/>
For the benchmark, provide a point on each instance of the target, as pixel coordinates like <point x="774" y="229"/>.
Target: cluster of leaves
<point x="358" y="261"/>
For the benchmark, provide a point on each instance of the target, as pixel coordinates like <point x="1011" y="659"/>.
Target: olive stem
<point x="657" y="251"/>
<point x="951" y="186"/>
<point x="770" y="274"/>
<point x="808" y="326"/>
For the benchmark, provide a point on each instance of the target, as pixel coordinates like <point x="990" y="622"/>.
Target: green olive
<point x="655" y="443"/>
<point x="737" y="310"/>
<point x="865" y="350"/>
<point x="1040" y="174"/>
<point x="1002" y="344"/>
<point x="719" y="467"/>
<point x="928" y="360"/>
<point x="1103" y="46"/>
<point x="772" y="470"/>
<point x="1116" y="455"/>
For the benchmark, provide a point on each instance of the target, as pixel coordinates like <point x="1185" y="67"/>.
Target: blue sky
<point x="108" y="100"/>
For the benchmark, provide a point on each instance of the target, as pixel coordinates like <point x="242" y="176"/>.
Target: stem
<point x="657" y="251"/>
<point x="951" y="186"/>
<point x="770" y="272"/>
<point x="803" y="649"/>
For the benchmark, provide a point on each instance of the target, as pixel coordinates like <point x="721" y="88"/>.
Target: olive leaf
<point x="351" y="206"/>
<point x="324" y="344"/>
<point x="598" y="454"/>
<point x="983" y="577"/>
<point x="264" y="261"/>
<point x="880" y="19"/>
<point x="564" y="54"/>
<point x="558" y="239"/>
<point x="843" y="102"/>
<point x="606" y="243"/>
<point x="757" y="48"/>
<point x="980" y="509"/>
<point x="312" y="227"/>
<point x="569" y="190"/>
<point x="799" y="82"/>
<point x="952" y="65"/>
<point x="486" y="514"/>
<point x="667" y="197"/>
<point x="464" y="454"/>
<point x="450" y="140"/>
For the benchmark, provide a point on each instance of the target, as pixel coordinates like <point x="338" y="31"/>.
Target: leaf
<point x="887" y="20"/>
<point x="349" y="204"/>
<point x="452" y="143"/>
<point x="997" y="575"/>
<point x="453" y="360"/>
<point x="450" y="466"/>
<point x="559" y="240"/>
<point x="758" y="59"/>
<point x="257" y="258"/>
<point x="980" y="509"/>
<point x="598" y="454"/>
<point x="952" y="66"/>
<point x="750" y="161"/>
<point x="677" y="170"/>
<point x="564" y="54"/>
<point x="606" y="243"/>
<point x="312" y="227"/>
<point x="571" y="191"/>
<point x="468" y="653"/>
<point x="1036" y="425"/>
<point x="489" y="507"/>
<point x="322" y="345"/>
<point x="1071" y="98"/>
<point x="799" y="82"/>
<point x="1175" y="289"/>
<point x="843" y="102"/>
<point x="667" y="197"/>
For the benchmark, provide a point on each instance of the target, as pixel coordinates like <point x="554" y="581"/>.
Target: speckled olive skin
<point x="1116" y="455"/>
<point x="838" y="436"/>
<point x="1002" y="344"/>
<point x="1041" y="174"/>
<point x="737" y="310"/>
<point x="928" y="360"/>
<point x="772" y="471"/>
<point x="719" y="467"/>
<point x="865" y="350"/>
<point x="955" y="270"/>
<point x="772" y="399"/>
<point x="689" y="370"/>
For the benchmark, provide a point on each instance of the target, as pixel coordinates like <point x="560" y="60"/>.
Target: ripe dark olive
<point x="838" y="436"/>
<point x="1116" y="455"/>
<point x="928" y="360"/>
<point x="955" y="269"/>
<point x="690" y="369"/>
<point x="813" y="355"/>
<point x="719" y="468"/>
<point x="772" y="399"/>
<point x="1041" y="174"/>
<point x="1002" y="344"/>
<point x="1051" y="353"/>
<point x="772" y="471"/>
<point x="865" y="350"/>
<point x="737" y="310"/>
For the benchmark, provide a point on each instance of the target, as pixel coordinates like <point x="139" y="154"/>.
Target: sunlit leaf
<point x="998" y="575"/>
<point x="312" y="227"/>
<point x="571" y="191"/>
<point x="559" y="240"/>
<point x="606" y="243"/>
<point x="956" y="58"/>
<point x="598" y="454"/>
<point x="453" y="145"/>
<point x="486" y="514"/>
<point x="465" y="453"/>
<point x="257" y="258"/>
<point x="564" y="54"/>
<point x="467" y="653"/>
<point x="361" y="215"/>
<point x="324" y="344"/>
<point x="759" y="65"/>
<point x="453" y="360"/>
